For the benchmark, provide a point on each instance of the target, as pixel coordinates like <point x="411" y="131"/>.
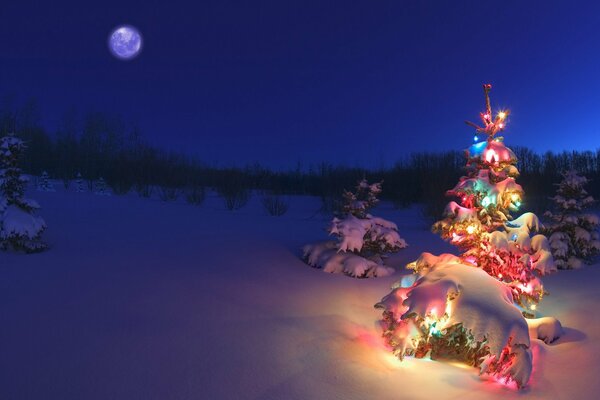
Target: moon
<point x="125" y="42"/>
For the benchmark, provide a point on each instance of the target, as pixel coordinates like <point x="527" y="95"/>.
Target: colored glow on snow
<point x="487" y="200"/>
<point x="408" y="280"/>
<point x="491" y="156"/>
<point x="476" y="149"/>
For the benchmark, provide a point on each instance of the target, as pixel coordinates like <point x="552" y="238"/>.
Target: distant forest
<point x="102" y="145"/>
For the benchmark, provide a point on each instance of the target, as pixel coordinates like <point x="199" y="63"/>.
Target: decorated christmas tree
<point x="363" y="240"/>
<point x="574" y="237"/>
<point x="479" y="219"/>
<point x="20" y="228"/>
<point x="471" y="307"/>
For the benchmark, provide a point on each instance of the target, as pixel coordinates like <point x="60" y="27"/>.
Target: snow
<point x="139" y="299"/>
<point x="326" y="255"/>
<point x="14" y="221"/>
<point x="468" y="296"/>
<point x="547" y="329"/>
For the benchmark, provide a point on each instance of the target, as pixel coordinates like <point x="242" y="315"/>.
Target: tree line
<point x="104" y="146"/>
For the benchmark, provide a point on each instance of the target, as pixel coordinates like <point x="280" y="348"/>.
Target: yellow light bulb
<point x="532" y="307"/>
<point x="501" y="115"/>
<point x="514" y="197"/>
<point x="470" y="229"/>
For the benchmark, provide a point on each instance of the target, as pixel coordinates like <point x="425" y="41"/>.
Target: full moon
<point x="125" y="42"/>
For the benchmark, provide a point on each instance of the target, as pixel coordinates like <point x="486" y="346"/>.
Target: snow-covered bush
<point x="20" y="228"/>
<point x="363" y="240"/>
<point x="459" y="312"/>
<point x="44" y="184"/>
<point x="574" y="237"/>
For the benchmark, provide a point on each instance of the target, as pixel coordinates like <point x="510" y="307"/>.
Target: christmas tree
<point x="471" y="307"/>
<point x="363" y="240"/>
<point x="479" y="220"/>
<point x="20" y="228"/>
<point x="574" y="237"/>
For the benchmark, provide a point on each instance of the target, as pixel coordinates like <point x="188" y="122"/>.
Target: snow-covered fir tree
<point x="44" y="184"/>
<point x="574" y="236"/>
<point x="20" y="228"/>
<point x="79" y="184"/>
<point x="101" y="188"/>
<point x="363" y="240"/>
<point x="471" y="307"/>
<point x="480" y="223"/>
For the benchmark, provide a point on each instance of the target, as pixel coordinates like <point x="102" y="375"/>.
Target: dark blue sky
<point x="344" y="81"/>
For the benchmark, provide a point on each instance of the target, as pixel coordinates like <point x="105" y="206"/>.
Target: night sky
<point x="282" y="82"/>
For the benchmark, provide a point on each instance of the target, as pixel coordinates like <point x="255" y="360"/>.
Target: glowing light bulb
<point x="491" y="156"/>
<point x="501" y="115"/>
<point x="500" y="276"/>
<point x="486" y="116"/>
<point x="501" y="125"/>
<point x="475" y="138"/>
<point x="470" y="229"/>
<point x="533" y="307"/>
<point x="514" y="197"/>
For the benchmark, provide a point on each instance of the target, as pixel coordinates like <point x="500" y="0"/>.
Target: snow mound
<point x="547" y="329"/>
<point x="15" y="221"/>
<point x="325" y="255"/>
<point x="452" y="295"/>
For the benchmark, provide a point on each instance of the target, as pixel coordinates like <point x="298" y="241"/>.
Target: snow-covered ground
<point x="141" y="299"/>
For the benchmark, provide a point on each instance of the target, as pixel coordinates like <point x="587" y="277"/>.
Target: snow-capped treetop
<point x="359" y="202"/>
<point x="492" y="152"/>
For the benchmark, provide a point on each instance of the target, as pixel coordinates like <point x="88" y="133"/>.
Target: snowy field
<point x="141" y="299"/>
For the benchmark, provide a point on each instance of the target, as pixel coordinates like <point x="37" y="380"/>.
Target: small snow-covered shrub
<point x="456" y="311"/>
<point x="363" y="240"/>
<point x="79" y="184"/>
<point x="100" y="187"/>
<point x="574" y="236"/>
<point x="195" y="194"/>
<point x="275" y="205"/>
<point x="44" y="184"/>
<point x="20" y="228"/>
